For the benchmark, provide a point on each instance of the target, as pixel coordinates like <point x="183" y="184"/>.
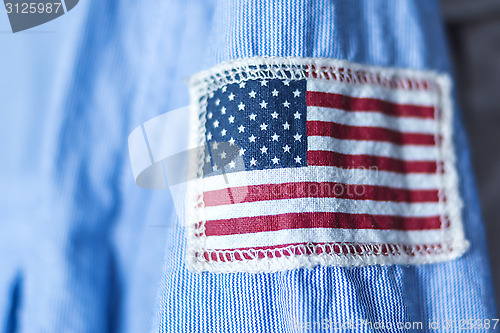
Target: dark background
<point x="474" y="33"/>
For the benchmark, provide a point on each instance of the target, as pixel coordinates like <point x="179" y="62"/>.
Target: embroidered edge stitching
<point x="203" y="84"/>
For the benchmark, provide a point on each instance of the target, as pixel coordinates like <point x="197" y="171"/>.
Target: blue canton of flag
<point x="265" y="120"/>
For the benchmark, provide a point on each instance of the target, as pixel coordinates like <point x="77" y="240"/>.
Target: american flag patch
<point x="321" y="162"/>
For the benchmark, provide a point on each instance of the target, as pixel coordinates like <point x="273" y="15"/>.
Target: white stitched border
<point x="205" y="83"/>
<point x="347" y="255"/>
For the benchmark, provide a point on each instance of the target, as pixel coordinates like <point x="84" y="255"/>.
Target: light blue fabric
<point x="82" y="250"/>
<point x="377" y="32"/>
<point x="72" y="257"/>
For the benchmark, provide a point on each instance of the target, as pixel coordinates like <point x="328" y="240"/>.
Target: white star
<point x="286" y="125"/>
<point x="275" y="137"/>
<point x="216" y="123"/>
<point x="223" y="155"/>
<point x="231" y="119"/>
<point x="231" y="96"/>
<point x="275" y="160"/>
<point x="297" y="159"/>
<point x="223" y="110"/>
<point x="275" y="92"/>
<point x="252" y="94"/>
<point x="215" y="145"/>
<point x="263" y="83"/>
<point x="211" y="94"/>
<point x="242" y="84"/>
<point x="286" y="149"/>
<point x="223" y="132"/>
<point x="217" y="102"/>
<point x="231" y="142"/>
<point x="263" y="127"/>
<point x="297" y="137"/>
<point x="263" y="104"/>
<point x="286" y="104"/>
<point x="241" y="106"/>
<point x="286" y="82"/>
<point x="209" y="136"/>
<point x="252" y="138"/>
<point x="253" y="161"/>
<point x="224" y="89"/>
<point x="252" y="116"/>
<point x="275" y="115"/>
<point x="242" y="151"/>
<point x="210" y="115"/>
<point x="232" y="164"/>
<point x="241" y="129"/>
<point x="296" y="93"/>
<point x="263" y="150"/>
<point x="214" y="168"/>
<point x="296" y="115"/>
<point x="207" y="159"/>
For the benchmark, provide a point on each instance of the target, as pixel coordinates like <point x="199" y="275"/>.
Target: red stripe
<point x="348" y="103"/>
<point x="288" y="250"/>
<point x="315" y="190"/>
<point x="329" y="158"/>
<point x="339" y="131"/>
<point x="245" y="225"/>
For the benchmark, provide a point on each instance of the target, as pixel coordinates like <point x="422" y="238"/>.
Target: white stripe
<point x="375" y="148"/>
<point x="414" y="97"/>
<point x="304" y="205"/>
<point x="372" y="119"/>
<point x="323" y="235"/>
<point x="320" y="174"/>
